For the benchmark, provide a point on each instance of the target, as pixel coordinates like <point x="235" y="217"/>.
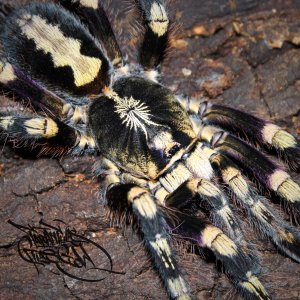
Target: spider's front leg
<point x="51" y="46"/>
<point x="129" y="196"/>
<point x="156" y="37"/>
<point x="92" y="13"/>
<point x="41" y="99"/>
<point x="238" y="259"/>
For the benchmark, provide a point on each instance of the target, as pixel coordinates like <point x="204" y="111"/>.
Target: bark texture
<point x="242" y="53"/>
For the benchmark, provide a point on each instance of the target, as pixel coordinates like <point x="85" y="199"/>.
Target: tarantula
<point x="162" y="156"/>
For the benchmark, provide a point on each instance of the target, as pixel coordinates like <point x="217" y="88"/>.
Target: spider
<point x="162" y="158"/>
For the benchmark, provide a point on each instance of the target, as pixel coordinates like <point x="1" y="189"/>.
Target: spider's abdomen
<point x="140" y="126"/>
<point x="50" y="45"/>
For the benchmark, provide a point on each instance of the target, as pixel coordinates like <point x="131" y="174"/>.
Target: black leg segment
<point x="156" y="39"/>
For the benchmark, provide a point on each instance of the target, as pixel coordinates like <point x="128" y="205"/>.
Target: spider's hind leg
<point x="264" y="218"/>
<point x="92" y="13"/>
<point x="237" y="264"/>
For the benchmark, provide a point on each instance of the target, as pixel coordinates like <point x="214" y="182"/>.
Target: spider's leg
<point x="40" y="98"/>
<point x="237" y="264"/>
<point x="156" y="38"/>
<point x="265" y="219"/>
<point x="152" y="225"/>
<point x="92" y="13"/>
<point x="257" y="164"/>
<point x="53" y="136"/>
<point x="50" y="45"/>
<point x="253" y="128"/>
<point x="211" y="195"/>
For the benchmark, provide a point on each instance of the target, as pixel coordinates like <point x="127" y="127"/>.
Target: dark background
<point x="241" y="53"/>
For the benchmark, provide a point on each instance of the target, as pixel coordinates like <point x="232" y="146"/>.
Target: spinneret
<point x="162" y="156"/>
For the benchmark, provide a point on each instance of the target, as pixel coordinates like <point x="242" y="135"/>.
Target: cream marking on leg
<point x="289" y="190"/>
<point x="6" y="122"/>
<point x="86" y="141"/>
<point x="208" y="189"/>
<point x="64" y="51"/>
<point x="237" y="183"/>
<point x="209" y="234"/>
<point x="277" y="178"/>
<point x="259" y="210"/>
<point x="199" y="165"/>
<point x="172" y="180"/>
<point x="159" y="21"/>
<point x="90" y="3"/>
<point x="44" y="127"/>
<point x="178" y="288"/>
<point x="223" y="245"/>
<point x="142" y="202"/>
<point x="274" y="135"/>
<point x="162" y="248"/>
<point x="7" y="73"/>
<point x="254" y="286"/>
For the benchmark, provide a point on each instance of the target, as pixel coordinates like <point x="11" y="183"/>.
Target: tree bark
<point x="241" y="53"/>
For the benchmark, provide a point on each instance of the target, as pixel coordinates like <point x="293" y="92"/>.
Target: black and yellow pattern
<point x="163" y="163"/>
<point x="157" y="31"/>
<point x="53" y="47"/>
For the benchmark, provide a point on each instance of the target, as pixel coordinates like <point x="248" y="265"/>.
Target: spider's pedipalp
<point x="51" y="46"/>
<point x="53" y="136"/>
<point x="156" y="38"/>
<point x="92" y="13"/>
<point x="260" y="166"/>
<point x="239" y="266"/>
<point x="255" y="129"/>
<point x="266" y="220"/>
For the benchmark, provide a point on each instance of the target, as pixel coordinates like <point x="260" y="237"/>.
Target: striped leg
<point x="53" y="136"/>
<point x="40" y="98"/>
<point x="92" y="13"/>
<point x="219" y="207"/>
<point x="155" y="234"/>
<point x="49" y="44"/>
<point x="237" y="264"/>
<point x="123" y="197"/>
<point x="264" y="218"/>
<point x="156" y="38"/>
<point x="257" y="164"/>
<point x="253" y="128"/>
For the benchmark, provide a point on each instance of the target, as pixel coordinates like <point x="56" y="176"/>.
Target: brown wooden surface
<point x="243" y="53"/>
